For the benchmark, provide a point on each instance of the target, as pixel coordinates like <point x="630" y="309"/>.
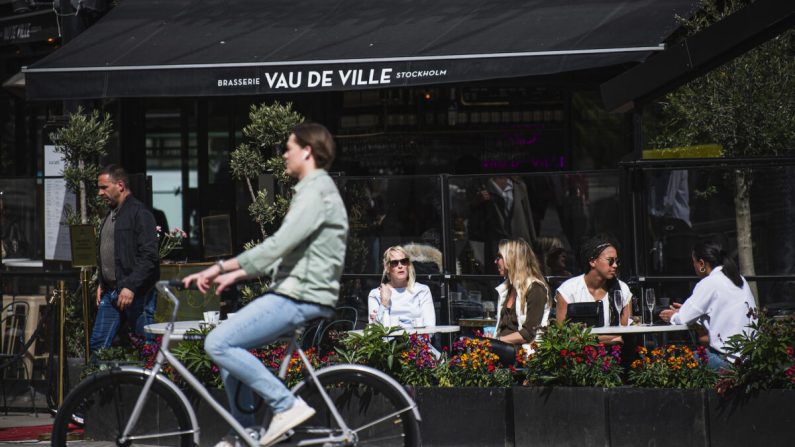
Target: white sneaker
<point x="285" y="421"/>
<point x="227" y="441"/>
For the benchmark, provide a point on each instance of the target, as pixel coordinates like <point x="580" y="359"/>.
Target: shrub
<point x="764" y="357"/>
<point x="570" y="355"/>
<point x="672" y="367"/>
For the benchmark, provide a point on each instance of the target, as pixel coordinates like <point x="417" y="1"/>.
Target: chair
<point x="345" y="319"/>
<point x="15" y="316"/>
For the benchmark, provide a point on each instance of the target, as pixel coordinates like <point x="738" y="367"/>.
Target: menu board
<point x="56" y="232"/>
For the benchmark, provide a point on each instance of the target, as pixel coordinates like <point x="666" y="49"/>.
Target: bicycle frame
<point x="164" y="355"/>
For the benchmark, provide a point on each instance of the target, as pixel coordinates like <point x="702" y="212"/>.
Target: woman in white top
<point x="400" y="301"/>
<point x="596" y="284"/>
<point x="721" y="301"/>
<point x="523" y="305"/>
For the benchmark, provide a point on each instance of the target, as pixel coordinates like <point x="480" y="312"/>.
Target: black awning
<point x="245" y="47"/>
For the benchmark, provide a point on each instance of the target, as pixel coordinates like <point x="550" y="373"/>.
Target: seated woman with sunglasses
<point x="597" y="284"/>
<point x="399" y="300"/>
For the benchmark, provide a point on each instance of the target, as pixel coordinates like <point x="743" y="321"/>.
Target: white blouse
<point x="405" y="307"/>
<point x="720" y="306"/>
<point x="574" y="290"/>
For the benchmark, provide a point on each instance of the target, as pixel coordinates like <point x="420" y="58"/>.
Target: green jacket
<point x="308" y="250"/>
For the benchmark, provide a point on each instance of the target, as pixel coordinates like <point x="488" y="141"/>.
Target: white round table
<point x="639" y="329"/>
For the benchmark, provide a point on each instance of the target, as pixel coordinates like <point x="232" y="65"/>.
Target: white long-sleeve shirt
<point x="720" y="306"/>
<point x="405" y="307"/>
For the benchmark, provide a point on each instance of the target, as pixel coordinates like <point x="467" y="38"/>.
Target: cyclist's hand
<point x="386" y="294"/>
<point x="99" y="294"/>
<point x="202" y="279"/>
<point x="222" y="282"/>
<point x="125" y="298"/>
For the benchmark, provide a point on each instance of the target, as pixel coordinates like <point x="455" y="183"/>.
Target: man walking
<point x="129" y="264"/>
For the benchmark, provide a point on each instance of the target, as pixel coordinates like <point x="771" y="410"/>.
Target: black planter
<point x="657" y="417"/>
<point x="465" y="416"/>
<point x="766" y="419"/>
<point x="560" y="416"/>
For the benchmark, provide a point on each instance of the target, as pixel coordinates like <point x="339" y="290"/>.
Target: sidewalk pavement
<point x="19" y="420"/>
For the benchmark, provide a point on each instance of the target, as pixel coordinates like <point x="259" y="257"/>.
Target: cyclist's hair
<point x="319" y="139"/>
<point x="116" y="173"/>
<point x="712" y="253"/>
<point x="522" y="268"/>
<point x="385" y="276"/>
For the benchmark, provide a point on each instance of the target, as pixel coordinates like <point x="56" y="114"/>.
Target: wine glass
<point x="618" y="302"/>
<point x="650" y="301"/>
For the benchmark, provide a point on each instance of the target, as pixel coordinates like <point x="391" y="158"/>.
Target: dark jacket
<point x="136" y="248"/>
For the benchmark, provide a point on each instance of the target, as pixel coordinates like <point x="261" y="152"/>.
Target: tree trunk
<point x="742" y="210"/>
<point x="83" y="207"/>
<point x="253" y="199"/>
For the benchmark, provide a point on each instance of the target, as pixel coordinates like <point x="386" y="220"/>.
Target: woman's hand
<point x="222" y="282"/>
<point x="666" y="314"/>
<point x="386" y="295"/>
<point x="202" y="279"/>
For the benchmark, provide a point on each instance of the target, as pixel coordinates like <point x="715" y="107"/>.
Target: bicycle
<point x="355" y="404"/>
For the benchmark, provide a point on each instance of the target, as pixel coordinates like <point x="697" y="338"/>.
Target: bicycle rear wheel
<point x="105" y="402"/>
<point x="373" y="408"/>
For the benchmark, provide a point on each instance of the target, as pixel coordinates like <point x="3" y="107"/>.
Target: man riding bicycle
<point x="304" y="258"/>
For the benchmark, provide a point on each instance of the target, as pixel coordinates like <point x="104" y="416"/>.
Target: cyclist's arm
<point x="299" y="224"/>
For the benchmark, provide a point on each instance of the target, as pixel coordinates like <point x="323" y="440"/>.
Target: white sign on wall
<point x="57" y="198"/>
<point x="53" y="162"/>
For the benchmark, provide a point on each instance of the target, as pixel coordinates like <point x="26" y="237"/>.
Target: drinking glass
<point x="650" y="302"/>
<point x="618" y="302"/>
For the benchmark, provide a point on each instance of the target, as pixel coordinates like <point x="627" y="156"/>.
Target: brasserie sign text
<point x="329" y="78"/>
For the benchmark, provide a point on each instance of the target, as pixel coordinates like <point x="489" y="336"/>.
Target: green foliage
<point x="672" y="367"/>
<point x="765" y="357"/>
<point x="474" y="364"/>
<point x="570" y="355"/>
<point x="82" y="141"/>
<point x="375" y="347"/>
<point x="269" y="127"/>
<point x="746" y="105"/>
<point x="192" y="354"/>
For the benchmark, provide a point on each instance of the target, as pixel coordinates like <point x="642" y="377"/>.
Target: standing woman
<point x="596" y="284"/>
<point x="523" y="304"/>
<point x="400" y="300"/>
<point x="721" y="301"/>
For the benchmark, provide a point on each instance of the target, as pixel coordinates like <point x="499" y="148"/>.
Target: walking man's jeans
<point x="259" y="323"/>
<point x="140" y="313"/>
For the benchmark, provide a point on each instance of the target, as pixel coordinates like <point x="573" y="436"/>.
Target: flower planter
<point x="656" y="416"/>
<point x="560" y="416"/>
<point x="764" y="419"/>
<point x="465" y="416"/>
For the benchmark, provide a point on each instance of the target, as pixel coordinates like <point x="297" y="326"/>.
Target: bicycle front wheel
<point x="373" y="408"/>
<point x="104" y="403"/>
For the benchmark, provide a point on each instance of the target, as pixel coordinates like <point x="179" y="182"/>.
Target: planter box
<point x="766" y="419"/>
<point x="465" y="416"/>
<point x="658" y="417"/>
<point x="560" y="416"/>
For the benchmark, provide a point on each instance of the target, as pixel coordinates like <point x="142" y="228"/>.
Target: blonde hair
<point x="522" y="268"/>
<point x="385" y="275"/>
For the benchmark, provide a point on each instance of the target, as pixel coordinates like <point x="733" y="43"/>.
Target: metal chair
<point x="13" y="347"/>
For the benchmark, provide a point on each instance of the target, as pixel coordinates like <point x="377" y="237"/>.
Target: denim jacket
<point x="308" y="250"/>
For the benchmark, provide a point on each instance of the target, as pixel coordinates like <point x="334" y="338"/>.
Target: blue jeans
<point x="259" y="323"/>
<point x="140" y="313"/>
<point x="716" y="361"/>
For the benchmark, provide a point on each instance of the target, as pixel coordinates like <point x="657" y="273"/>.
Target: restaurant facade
<point x="429" y="102"/>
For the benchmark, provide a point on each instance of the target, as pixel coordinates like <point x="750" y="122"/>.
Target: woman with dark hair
<point x="722" y="302"/>
<point x="600" y="264"/>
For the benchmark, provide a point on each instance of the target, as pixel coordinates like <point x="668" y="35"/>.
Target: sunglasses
<point x="394" y="263"/>
<point x="611" y="261"/>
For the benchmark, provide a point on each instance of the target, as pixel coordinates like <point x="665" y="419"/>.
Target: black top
<point x="136" y="248"/>
<point x="534" y="308"/>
